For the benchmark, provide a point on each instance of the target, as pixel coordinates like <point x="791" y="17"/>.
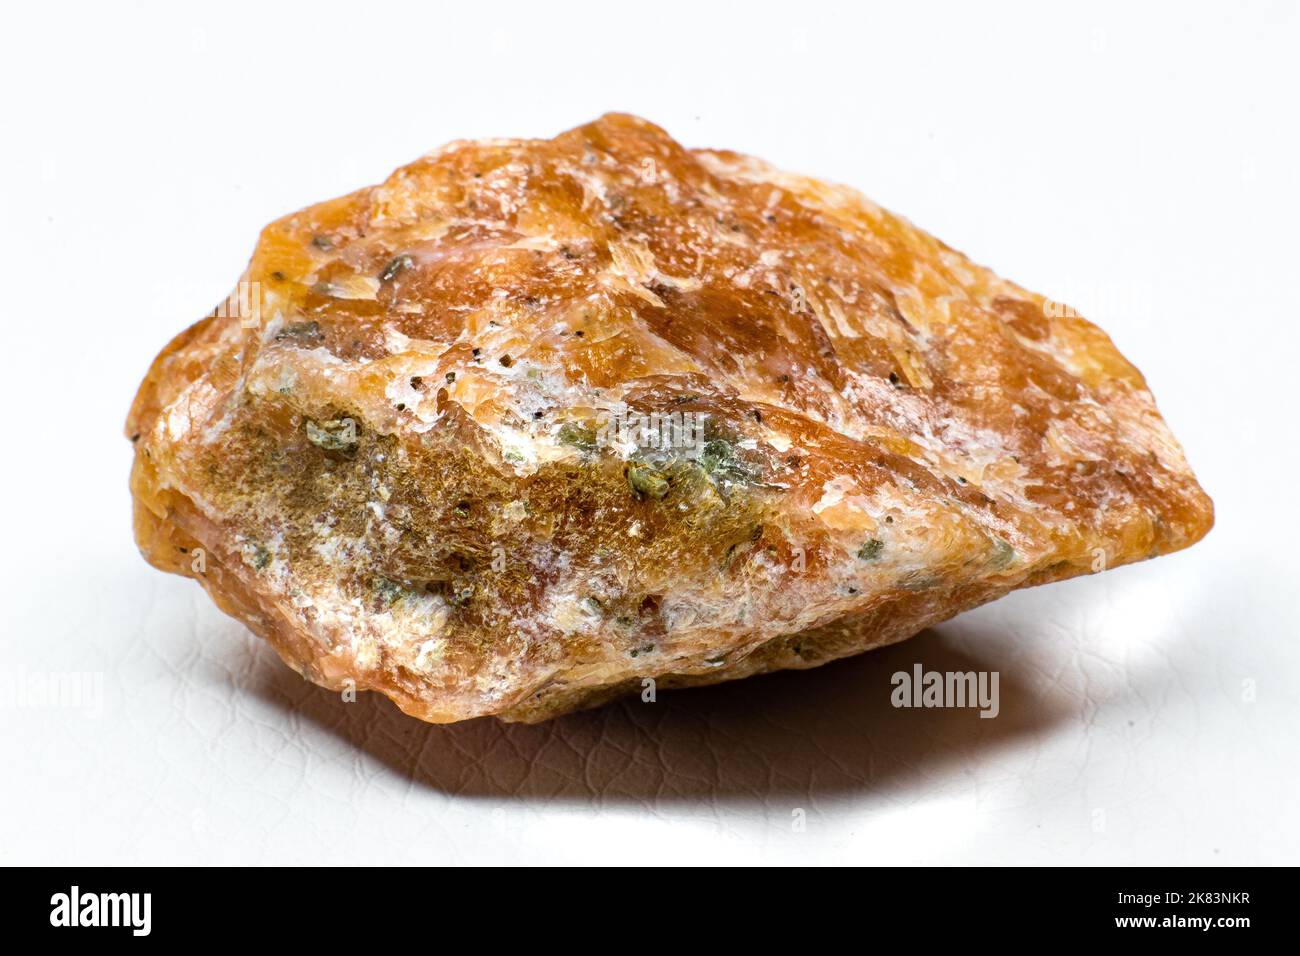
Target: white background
<point x="1138" y="162"/>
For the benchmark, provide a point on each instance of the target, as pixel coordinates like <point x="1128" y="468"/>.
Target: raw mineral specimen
<point x="536" y="420"/>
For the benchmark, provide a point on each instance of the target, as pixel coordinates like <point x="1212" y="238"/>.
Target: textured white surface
<point x="1141" y="167"/>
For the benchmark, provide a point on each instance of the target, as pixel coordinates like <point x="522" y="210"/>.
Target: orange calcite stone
<point x="536" y="422"/>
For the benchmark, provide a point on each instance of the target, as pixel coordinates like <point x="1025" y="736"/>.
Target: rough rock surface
<point x="533" y="421"/>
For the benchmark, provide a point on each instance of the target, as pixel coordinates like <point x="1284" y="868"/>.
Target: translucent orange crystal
<point x="536" y="421"/>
